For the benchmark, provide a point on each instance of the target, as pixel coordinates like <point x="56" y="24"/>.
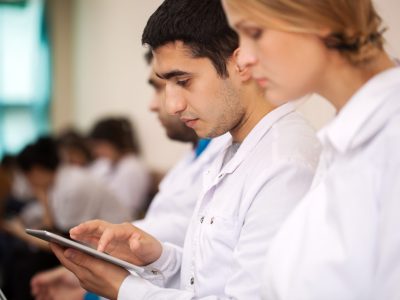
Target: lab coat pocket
<point x="221" y="232"/>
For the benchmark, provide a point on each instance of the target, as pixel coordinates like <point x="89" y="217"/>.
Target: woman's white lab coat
<point x="343" y="241"/>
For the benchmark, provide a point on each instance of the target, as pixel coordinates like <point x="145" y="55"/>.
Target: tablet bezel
<point x="55" y="238"/>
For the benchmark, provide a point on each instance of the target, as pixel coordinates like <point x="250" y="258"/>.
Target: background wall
<point x="100" y="70"/>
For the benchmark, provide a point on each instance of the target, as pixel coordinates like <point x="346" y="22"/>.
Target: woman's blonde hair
<point x="354" y="24"/>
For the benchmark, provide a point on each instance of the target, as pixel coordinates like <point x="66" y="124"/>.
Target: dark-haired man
<point x="250" y="188"/>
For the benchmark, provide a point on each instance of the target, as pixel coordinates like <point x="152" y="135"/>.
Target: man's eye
<point x="182" y="83"/>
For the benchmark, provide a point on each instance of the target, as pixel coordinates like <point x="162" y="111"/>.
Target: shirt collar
<point x="365" y="114"/>
<point x="255" y="135"/>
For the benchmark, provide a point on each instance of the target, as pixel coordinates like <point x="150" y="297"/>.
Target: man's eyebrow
<point x="154" y="84"/>
<point x="171" y="74"/>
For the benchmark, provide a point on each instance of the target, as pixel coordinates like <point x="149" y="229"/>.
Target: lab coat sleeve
<point x="269" y="202"/>
<point x="166" y="268"/>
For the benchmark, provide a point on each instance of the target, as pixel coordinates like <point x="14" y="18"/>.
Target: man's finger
<point x="94" y="227"/>
<point x="105" y="239"/>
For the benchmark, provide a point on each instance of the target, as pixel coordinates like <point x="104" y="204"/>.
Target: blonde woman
<point x="342" y="242"/>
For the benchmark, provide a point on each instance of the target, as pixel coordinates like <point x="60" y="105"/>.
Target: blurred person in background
<point x="16" y="198"/>
<point x="74" y="148"/>
<point x="67" y="193"/>
<point x="20" y="195"/>
<point x="114" y="143"/>
<point x="67" y="196"/>
<point x="5" y="190"/>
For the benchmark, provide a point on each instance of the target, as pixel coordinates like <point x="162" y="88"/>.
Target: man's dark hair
<point x="148" y="56"/>
<point x="200" y="24"/>
<point x="43" y="153"/>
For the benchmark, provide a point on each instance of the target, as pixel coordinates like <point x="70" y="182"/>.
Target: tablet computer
<point x="67" y="243"/>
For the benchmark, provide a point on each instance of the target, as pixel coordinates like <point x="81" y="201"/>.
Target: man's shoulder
<point x="293" y="138"/>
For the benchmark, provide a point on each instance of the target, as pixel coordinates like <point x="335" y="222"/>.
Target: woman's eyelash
<point x="253" y="33"/>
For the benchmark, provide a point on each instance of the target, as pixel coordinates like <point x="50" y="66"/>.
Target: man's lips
<point x="189" y="122"/>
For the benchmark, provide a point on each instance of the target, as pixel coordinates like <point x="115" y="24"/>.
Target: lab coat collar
<point x="252" y="139"/>
<point x="365" y="113"/>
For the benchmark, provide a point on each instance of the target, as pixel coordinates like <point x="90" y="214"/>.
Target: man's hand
<point x="124" y="241"/>
<point x="95" y="275"/>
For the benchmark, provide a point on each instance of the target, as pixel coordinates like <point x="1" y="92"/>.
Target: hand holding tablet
<point x="55" y="238"/>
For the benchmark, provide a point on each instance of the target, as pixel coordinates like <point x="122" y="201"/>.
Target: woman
<point x="342" y="241"/>
<point x="117" y="150"/>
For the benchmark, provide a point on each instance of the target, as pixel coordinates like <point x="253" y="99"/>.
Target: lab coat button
<point x="201" y="219"/>
<point x="192" y="281"/>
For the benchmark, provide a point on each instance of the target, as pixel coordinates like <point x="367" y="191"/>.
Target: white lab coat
<point x="171" y="209"/>
<point x="129" y="179"/>
<point x="240" y="210"/>
<point x="342" y="242"/>
<point x="76" y="197"/>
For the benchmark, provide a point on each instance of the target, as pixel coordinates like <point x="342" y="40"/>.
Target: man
<point x="169" y="213"/>
<point x="253" y="184"/>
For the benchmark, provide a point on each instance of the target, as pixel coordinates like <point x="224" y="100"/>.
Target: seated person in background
<point x="171" y="209"/>
<point x="74" y="148"/>
<point x="13" y="201"/>
<point x="265" y="168"/>
<point x="5" y="189"/>
<point x="20" y="194"/>
<point x="114" y="140"/>
<point x="68" y="194"/>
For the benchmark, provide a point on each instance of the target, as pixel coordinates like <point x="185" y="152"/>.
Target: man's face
<point x="175" y="128"/>
<point x="39" y="178"/>
<point x="194" y="91"/>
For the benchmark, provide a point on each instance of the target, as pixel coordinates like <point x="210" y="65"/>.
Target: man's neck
<point x="257" y="108"/>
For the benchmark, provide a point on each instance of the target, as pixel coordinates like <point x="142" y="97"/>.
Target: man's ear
<point x="243" y="70"/>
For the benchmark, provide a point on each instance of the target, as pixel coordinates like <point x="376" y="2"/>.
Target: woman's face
<point x="288" y="65"/>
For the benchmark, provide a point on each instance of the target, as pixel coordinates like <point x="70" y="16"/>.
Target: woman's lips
<point x="262" y="82"/>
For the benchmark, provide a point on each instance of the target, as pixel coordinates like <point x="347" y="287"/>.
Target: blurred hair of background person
<point x="74" y="148"/>
<point x="114" y="141"/>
